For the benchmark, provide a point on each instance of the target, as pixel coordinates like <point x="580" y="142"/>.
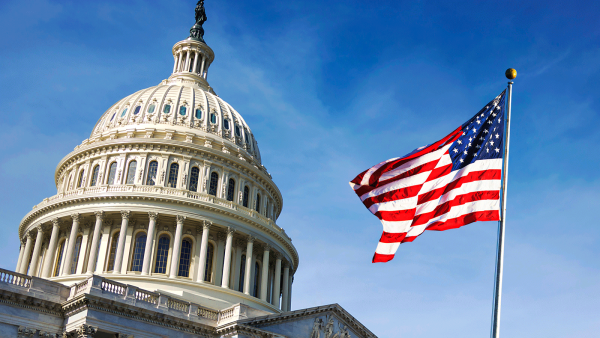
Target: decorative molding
<point x="125" y="214"/>
<point x="99" y="215"/>
<point x="153" y="215"/>
<point x="179" y="219"/>
<point x="75" y="217"/>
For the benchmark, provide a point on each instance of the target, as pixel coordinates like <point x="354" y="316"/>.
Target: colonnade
<point x="191" y="61"/>
<point x="105" y="248"/>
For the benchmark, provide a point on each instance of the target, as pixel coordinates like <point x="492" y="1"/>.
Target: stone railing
<point x="178" y="305"/>
<point x="180" y="193"/>
<point x="14" y="278"/>
<point x="146" y="296"/>
<point x="208" y="313"/>
<point x="113" y="287"/>
<point x="227" y="313"/>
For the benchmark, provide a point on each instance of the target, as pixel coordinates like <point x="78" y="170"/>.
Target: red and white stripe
<point x="420" y="192"/>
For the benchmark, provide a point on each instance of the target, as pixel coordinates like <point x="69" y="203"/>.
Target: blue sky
<point x="329" y="89"/>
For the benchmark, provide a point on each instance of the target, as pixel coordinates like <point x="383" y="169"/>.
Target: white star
<point x="475" y="154"/>
<point x="499" y="120"/>
<point x="459" y="142"/>
<point x="492" y="142"/>
<point x="474" y="130"/>
<point x="497" y="135"/>
<point x="490" y="121"/>
<point x="481" y="138"/>
<point x="461" y="160"/>
<point x="497" y="150"/>
<point x="455" y="150"/>
<point x="468" y="145"/>
<point x="485" y="131"/>
<point x="470" y="139"/>
<point x="487" y="149"/>
<point x="478" y="122"/>
<point x="497" y="107"/>
<point x="494" y="128"/>
<point x="465" y="152"/>
<point x="463" y="134"/>
<point x="494" y="114"/>
<point x="482" y="115"/>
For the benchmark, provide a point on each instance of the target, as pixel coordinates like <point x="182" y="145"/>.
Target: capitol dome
<point x="168" y="194"/>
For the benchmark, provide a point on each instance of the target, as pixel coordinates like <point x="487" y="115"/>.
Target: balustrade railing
<point x="208" y="313"/>
<point x="178" y="305"/>
<point x="227" y="314"/>
<point x="113" y="287"/>
<point x="14" y="278"/>
<point x="146" y="296"/>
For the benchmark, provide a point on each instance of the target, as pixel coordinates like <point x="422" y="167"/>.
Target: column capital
<point x="55" y="221"/>
<point x="221" y="236"/>
<point x="99" y="215"/>
<point x="29" y="236"/>
<point x="251" y="239"/>
<point x="206" y="224"/>
<point x="125" y="214"/>
<point x="277" y="255"/>
<point x="153" y="215"/>
<point x="267" y="247"/>
<point x="40" y="229"/>
<point x="286" y="265"/>
<point x="180" y="219"/>
<point x="86" y="330"/>
<point x="75" y="217"/>
<point x="230" y="231"/>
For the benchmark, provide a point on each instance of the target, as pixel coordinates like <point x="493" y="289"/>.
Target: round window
<point x="167" y="109"/>
<point x="124" y="112"/>
<point x="198" y="113"/>
<point x="182" y="110"/>
<point x="151" y="108"/>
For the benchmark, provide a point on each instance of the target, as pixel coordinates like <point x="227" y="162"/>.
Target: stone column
<point x="27" y="255"/>
<point x="149" y="241"/>
<point x="95" y="242"/>
<point x="286" y="285"/>
<point x="187" y="61"/>
<point x="121" y="244"/>
<point x="195" y="62"/>
<point x="202" y="66"/>
<point x="51" y="252"/>
<point x="227" y="260"/>
<point x="176" y="62"/>
<point x="289" y="302"/>
<point x="176" y="247"/>
<point x="220" y="255"/>
<point x="36" y="251"/>
<point x="21" y="252"/>
<point x="66" y="266"/>
<point x="277" y="280"/>
<point x="248" y="270"/>
<point x="203" y="251"/>
<point x="264" y="277"/>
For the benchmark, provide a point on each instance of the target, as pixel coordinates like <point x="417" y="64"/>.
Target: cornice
<point x="235" y="329"/>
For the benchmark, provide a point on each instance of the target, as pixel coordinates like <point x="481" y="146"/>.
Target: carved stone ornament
<point x="85" y="331"/>
<point x="251" y="238"/>
<point x="99" y="215"/>
<point x="206" y="224"/>
<point x="153" y="215"/>
<point x="180" y="219"/>
<point x="75" y="217"/>
<point x="55" y="221"/>
<point x="267" y="247"/>
<point x="44" y="334"/>
<point x="25" y="332"/>
<point x="125" y="214"/>
<point x="230" y="231"/>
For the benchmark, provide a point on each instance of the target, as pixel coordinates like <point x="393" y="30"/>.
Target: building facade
<point x="163" y="225"/>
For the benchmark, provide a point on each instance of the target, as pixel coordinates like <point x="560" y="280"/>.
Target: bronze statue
<point x="197" y="32"/>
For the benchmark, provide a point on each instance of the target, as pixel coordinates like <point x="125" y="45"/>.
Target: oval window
<point x="113" y="116"/>
<point x="167" y="109"/>
<point x="226" y="124"/>
<point x="198" y="113"/>
<point x="213" y="118"/>
<point x="151" y="109"/>
<point x="182" y="110"/>
<point x="137" y="110"/>
<point x="237" y="130"/>
<point x="124" y="112"/>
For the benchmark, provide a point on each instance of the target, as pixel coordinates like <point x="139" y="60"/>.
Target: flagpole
<point x="511" y="74"/>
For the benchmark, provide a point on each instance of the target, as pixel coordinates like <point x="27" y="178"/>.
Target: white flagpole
<point x="511" y="74"/>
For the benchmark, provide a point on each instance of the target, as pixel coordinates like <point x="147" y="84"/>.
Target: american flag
<point x="445" y="185"/>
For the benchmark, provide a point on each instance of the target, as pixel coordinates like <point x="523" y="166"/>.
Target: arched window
<point x="256" y="278"/>
<point x="131" y="172"/>
<point x="226" y="124"/>
<point x="112" y="172"/>
<point x="182" y="110"/>
<point x="173" y="171"/>
<point x="152" y="169"/>
<point x="245" y="197"/>
<point x="257" y="202"/>
<point x="194" y="179"/>
<point x="213" y="118"/>
<point x="113" y="251"/>
<point x="238" y="133"/>
<point x="162" y="253"/>
<point x="151" y="109"/>
<point x="95" y="175"/>
<point x="80" y="179"/>
<point x="198" y="113"/>
<point x="209" y="258"/>
<point x="124" y="112"/>
<point x="230" y="189"/>
<point x="242" y="273"/>
<point x="137" y="110"/>
<point x="59" y="258"/>
<point x="76" y="254"/>
<point x="138" y="252"/>
<point x="167" y="109"/>
<point x="184" y="258"/>
<point x="214" y="181"/>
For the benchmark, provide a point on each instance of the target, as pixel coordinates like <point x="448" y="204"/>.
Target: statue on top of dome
<point x="197" y="32"/>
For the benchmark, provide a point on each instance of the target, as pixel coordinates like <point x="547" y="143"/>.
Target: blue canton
<point x="482" y="137"/>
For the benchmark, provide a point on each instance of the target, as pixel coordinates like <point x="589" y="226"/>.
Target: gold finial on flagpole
<point x="511" y="73"/>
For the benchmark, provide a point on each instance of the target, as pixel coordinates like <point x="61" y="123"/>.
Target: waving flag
<point x="444" y="185"/>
